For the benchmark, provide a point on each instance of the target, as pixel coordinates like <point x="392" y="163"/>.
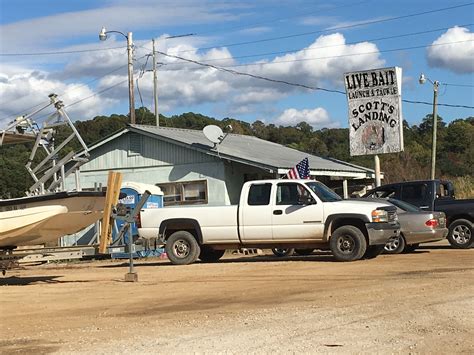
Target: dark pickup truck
<point x="435" y="195"/>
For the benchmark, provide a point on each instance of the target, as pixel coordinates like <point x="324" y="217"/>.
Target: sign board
<point x="375" y="111"/>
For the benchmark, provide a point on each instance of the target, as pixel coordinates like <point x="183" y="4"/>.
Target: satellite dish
<point x="213" y="133"/>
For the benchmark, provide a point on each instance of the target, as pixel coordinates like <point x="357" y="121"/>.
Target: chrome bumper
<point x="381" y="233"/>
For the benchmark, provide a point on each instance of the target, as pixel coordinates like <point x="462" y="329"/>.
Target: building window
<point x="134" y="144"/>
<point x="184" y="193"/>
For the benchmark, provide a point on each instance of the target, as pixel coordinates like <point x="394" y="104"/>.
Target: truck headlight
<point x="379" y="216"/>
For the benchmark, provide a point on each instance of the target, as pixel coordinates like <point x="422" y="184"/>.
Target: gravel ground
<point x="410" y="303"/>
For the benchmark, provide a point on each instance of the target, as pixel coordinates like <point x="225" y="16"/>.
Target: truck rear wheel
<point x="460" y="234"/>
<point x="209" y="255"/>
<point x="348" y="243"/>
<point x="182" y="248"/>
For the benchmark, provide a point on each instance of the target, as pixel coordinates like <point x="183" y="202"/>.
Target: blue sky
<point x="303" y="42"/>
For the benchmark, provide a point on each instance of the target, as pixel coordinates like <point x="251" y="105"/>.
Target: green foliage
<point x="455" y="154"/>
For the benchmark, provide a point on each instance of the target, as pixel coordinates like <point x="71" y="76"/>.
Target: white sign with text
<point x="375" y="111"/>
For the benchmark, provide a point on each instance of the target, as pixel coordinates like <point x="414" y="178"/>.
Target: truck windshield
<point x="324" y="193"/>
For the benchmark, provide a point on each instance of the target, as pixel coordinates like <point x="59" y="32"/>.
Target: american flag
<point x="300" y="171"/>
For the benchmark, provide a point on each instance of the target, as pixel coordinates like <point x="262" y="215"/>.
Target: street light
<point x="435" y="83"/>
<point x="131" y="99"/>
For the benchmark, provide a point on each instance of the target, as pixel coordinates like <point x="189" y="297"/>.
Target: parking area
<point x="421" y="302"/>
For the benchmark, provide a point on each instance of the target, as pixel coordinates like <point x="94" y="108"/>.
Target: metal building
<point x="192" y="170"/>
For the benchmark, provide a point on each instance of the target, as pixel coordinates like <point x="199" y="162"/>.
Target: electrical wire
<point x="59" y="52"/>
<point x="332" y="29"/>
<point x="327" y="46"/>
<point x="315" y="88"/>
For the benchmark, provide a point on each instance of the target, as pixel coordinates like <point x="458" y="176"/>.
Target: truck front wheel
<point x="348" y="243"/>
<point x="460" y="234"/>
<point x="182" y="248"/>
<point x="209" y="255"/>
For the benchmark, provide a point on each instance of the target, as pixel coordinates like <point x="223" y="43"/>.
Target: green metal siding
<point x="118" y="154"/>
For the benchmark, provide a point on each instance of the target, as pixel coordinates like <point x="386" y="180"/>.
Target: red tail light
<point x="432" y="223"/>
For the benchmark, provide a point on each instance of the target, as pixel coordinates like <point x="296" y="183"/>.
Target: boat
<point x="18" y="225"/>
<point x="47" y="217"/>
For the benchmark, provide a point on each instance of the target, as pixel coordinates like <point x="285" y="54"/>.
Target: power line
<point x="298" y="14"/>
<point x="325" y="57"/>
<point x="460" y="85"/>
<point x="315" y="88"/>
<point x="328" y="46"/>
<point x="59" y="52"/>
<point x="365" y="23"/>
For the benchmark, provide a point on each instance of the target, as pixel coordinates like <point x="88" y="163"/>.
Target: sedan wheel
<point x="395" y="245"/>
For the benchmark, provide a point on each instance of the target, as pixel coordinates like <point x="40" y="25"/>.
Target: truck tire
<point x="303" y="252"/>
<point x="281" y="252"/>
<point x="348" y="243"/>
<point x="373" y="251"/>
<point x="182" y="248"/>
<point x="460" y="234"/>
<point x="209" y="255"/>
<point x="395" y="245"/>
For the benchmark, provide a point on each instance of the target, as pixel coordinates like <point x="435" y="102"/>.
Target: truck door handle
<point x="278" y="212"/>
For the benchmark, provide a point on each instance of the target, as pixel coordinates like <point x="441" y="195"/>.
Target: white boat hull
<point x="79" y="210"/>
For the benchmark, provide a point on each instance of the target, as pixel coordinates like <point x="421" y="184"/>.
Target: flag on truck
<point x="300" y="171"/>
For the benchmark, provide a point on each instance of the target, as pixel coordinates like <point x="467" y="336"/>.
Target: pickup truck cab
<point x="435" y="195"/>
<point x="274" y="214"/>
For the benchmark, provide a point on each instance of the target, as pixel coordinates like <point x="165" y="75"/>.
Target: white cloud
<point x="21" y="89"/>
<point x="457" y="57"/>
<point x="317" y="117"/>
<point x="185" y="84"/>
<point x="58" y="29"/>
<point x="255" y="30"/>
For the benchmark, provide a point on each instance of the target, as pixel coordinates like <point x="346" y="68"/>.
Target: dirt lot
<point x="411" y="303"/>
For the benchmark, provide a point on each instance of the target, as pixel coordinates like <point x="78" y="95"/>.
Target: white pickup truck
<point x="303" y="214"/>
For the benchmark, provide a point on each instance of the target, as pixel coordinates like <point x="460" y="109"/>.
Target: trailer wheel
<point x="460" y="234"/>
<point x="182" y="248"/>
<point x="348" y="243"/>
<point x="209" y="255"/>
<point x="282" y="252"/>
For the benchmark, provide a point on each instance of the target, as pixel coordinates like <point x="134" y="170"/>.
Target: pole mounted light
<point x="435" y="83"/>
<point x="131" y="99"/>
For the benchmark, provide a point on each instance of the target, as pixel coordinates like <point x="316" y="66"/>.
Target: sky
<point x="53" y="47"/>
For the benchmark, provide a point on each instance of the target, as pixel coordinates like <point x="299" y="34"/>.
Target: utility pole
<point x="131" y="96"/>
<point x="155" y="86"/>
<point x="435" y="129"/>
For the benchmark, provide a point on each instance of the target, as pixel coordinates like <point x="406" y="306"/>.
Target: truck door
<point x="256" y="214"/>
<point x="296" y="213"/>
<point x="418" y="194"/>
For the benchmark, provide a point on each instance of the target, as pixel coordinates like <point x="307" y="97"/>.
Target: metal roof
<point x="252" y="150"/>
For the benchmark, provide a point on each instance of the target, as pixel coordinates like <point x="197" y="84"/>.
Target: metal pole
<point x="435" y="129"/>
<point x="131" y="97"/>
<point x="377" y="170"/>
<point x="155" y="86"/>
<point x="345" y="190"/>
